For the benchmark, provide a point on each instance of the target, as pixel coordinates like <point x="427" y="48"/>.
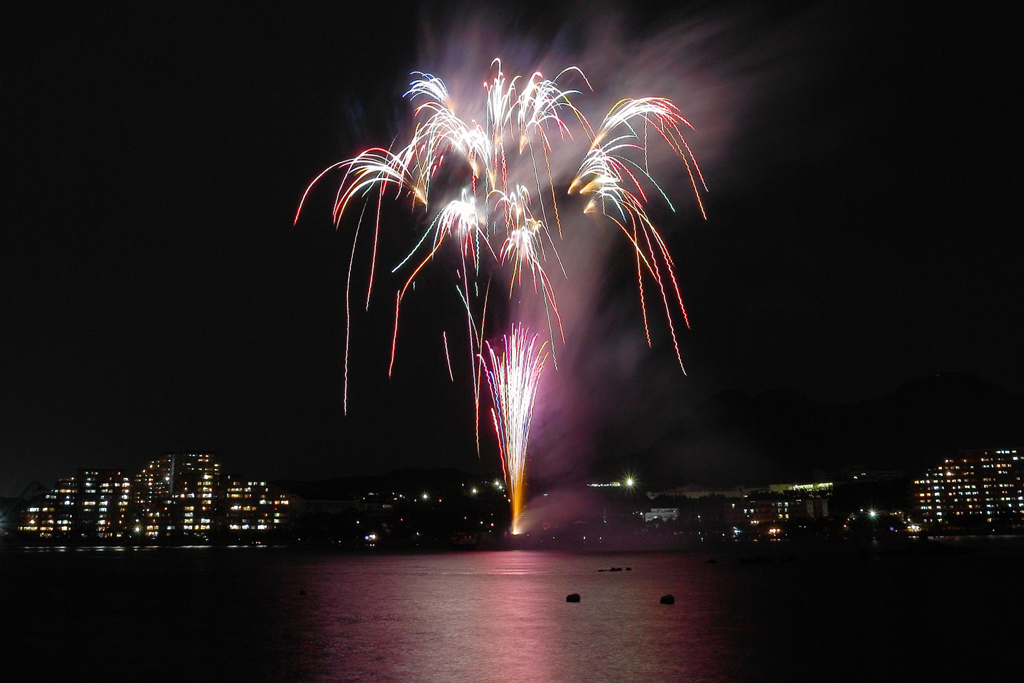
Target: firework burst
<point x="496" y="223"/>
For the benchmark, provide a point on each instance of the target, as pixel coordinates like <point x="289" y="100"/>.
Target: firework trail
<point x="514" y="378"/>
<point x="495" y="223"/>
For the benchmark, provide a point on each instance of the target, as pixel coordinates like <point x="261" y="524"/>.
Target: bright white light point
<point x="474" y="492"/>
<point x="629" y="481"/>
<point x="424" y="496"/>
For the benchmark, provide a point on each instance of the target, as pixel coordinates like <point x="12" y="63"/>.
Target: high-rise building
<point x="103" y="497"/>
<point x="151" y="497"/>
<point x="92" y="504"/>
<point x="979" y="486"/>
<point x="178" y="494"/>
<point x="53" y="513"/>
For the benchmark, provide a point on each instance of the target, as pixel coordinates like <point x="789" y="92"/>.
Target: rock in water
<point x="668" y="599"/>
<point x="572" y="597"/>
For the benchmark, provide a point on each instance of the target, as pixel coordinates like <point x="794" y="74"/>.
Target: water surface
<point x="252" y="614"/>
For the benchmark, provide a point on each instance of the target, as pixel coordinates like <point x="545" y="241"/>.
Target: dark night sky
<point x="864" y="173"/>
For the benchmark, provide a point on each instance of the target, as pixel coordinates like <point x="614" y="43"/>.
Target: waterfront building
<point x="255" y="506"/>
<point x="696" y="491"/>
<point x="53" y="512"/>
<point x="177" y="494"/>
<point x="92" y="504"/>
<point x="103" y="497"/>
<point x="772" y="509"/>
<point x="823" y="488"/>
<point x="662" y="515"/>
<point x="977" y="486"/>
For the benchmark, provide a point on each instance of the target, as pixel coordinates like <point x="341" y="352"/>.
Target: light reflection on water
<point x="223" y="614"/>
<point x="503" y="616"/>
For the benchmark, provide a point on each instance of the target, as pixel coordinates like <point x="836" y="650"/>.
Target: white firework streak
<point x="514" y="379"/>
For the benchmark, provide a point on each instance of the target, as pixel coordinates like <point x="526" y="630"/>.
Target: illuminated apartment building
<point x="976" y="486"/>
<point x="151" y="498"/>
<point x="92" y="504"/>
<point x="772" y="509"/>
<point x="34" y="518"/>
<point x="253" y="506"/>
<point x="103" y="497"/>
<point x="178" y="494"/>
<point x="54" y="514"/>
